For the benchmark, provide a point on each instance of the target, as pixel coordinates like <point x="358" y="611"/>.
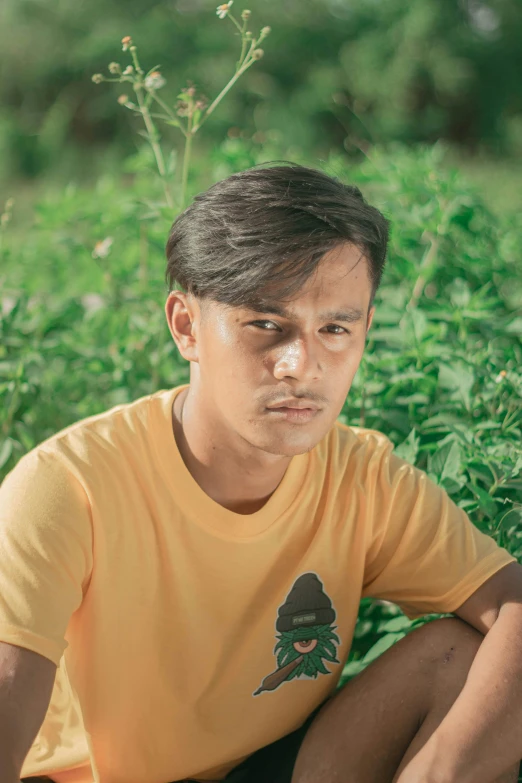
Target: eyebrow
<point x="347" y="314"/>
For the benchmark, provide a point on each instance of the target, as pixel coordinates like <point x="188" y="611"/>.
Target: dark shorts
<point x="275" y="762"/>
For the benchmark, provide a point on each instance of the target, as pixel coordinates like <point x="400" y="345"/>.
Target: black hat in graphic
<point x="306" y="604"/>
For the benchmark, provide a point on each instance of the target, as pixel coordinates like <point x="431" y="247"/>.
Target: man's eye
<point x="343" y="330"/>
<point x="256" y="323"/>
<point x="334" y="326"/>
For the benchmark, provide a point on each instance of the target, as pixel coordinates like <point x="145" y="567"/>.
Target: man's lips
<point x="296" y="415"/>
<point x="295" y="405"/>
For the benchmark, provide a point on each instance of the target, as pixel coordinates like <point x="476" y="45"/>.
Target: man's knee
<point x="387" y="703"/>
<point x="445" y="649"/>
<point x="448" y="638"/>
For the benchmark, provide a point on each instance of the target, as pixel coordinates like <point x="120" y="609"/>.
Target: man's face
<point x="247" y="360"/>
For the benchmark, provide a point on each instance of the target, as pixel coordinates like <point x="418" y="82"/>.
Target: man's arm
<point x="480" y="738"/>
<point x="26" y="684"/>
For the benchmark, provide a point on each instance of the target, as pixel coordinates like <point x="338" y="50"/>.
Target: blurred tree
<point x="336" y="73"/>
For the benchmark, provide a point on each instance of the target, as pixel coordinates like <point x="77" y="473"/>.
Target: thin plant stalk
<point x="187" y="107"/>
<point x="5" y="217"/>
<point x="223" y="93"/>
<point x="151" y="130"/>
<point x="186" y="160"/>
<point x="169" y="111"/>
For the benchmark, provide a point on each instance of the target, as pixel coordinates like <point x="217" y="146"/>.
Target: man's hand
<point x="480" y="738"/>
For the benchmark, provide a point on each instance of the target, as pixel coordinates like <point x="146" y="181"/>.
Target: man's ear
<point x="369" y="320"/>
<point x="182" y="311"/>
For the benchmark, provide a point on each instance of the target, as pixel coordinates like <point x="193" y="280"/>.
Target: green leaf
<point x="145" y="135"/>
<point x="419" y="322"/>
<point x="453" y="461"/>
<point x="172" y="161"/>
<point x="362" y="628"/>
<point x="415" y="399"/>
<point x="6" y="449"/>
<point x="400" y="623"/>
<point x="459" y="292"/>
<point x="382" y="645"/>
<point x="446" y="420"/>
<point x="515" y="326"/>
<point x="480" y="470"/>
<point x="517" y="467"/>
<point x="391" y="336"/>
<point x="452" y="486"/>
<point x="512" y="520"/>
<point x="485" y="501"/>
<point x="457" y="378"/>
<point x="351" y="669"/>
<point x="409" y="448"/>
<point x="445" y="462"/>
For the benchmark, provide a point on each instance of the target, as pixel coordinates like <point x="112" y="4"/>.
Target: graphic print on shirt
<point x="306" y="634"/>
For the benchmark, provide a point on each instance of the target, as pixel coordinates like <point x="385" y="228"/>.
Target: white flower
<point x="154" y="81"/>
<point x="500" y="377"/>
<point x="92" y="302"/>
<point x="102" y="248"/>
<point x="7" y="304"/>
<point x="222" y="10"/>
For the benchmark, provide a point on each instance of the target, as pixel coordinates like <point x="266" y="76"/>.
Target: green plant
<point x="191" y="110"/>
<point x="5" y="219"/>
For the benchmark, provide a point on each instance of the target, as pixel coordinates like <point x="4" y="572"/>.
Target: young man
<point x="190" y="565"/>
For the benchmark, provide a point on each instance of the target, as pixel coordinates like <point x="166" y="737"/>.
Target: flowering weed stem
<point x="189" y="105"/>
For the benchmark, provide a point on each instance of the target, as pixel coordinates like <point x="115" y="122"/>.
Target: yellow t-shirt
<point x="187" y="636"/>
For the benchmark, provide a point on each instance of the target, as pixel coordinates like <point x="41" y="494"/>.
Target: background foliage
<point x="339" y="74"/>
<point x="377" y="94"/>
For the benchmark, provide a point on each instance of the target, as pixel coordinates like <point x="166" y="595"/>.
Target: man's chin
<point x="293" y="445"/>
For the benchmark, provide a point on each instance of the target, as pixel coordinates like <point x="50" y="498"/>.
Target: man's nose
<point x="298" y="359"/>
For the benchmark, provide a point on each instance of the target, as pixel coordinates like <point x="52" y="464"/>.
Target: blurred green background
<point x="337" y="74"/>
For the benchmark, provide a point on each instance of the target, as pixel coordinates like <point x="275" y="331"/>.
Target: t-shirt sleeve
<point x="423" y="552"/>
<point x="45" y="553"/>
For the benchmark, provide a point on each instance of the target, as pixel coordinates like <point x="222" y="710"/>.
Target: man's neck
<point x="236" y="482"/>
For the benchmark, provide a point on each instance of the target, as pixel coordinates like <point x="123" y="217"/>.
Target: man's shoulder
<point x="102" y="423"/>
<point x="360" y="441"/>
<point x="364" y="456"/>
<point x="91" y="441"/>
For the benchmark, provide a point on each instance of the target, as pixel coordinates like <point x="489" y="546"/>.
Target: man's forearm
<point x="9" y="772"/>
<point x="10" y="769"/>
<point x="480" y="738"/>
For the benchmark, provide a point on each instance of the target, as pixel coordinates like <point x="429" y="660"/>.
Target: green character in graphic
<point x="306" y="634"/>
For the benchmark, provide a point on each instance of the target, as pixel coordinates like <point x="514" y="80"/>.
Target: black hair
<point x="266" y="229"/>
